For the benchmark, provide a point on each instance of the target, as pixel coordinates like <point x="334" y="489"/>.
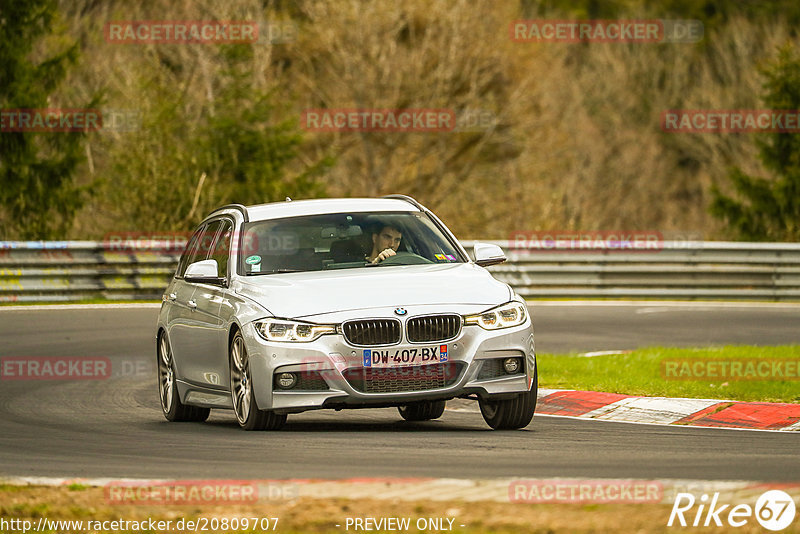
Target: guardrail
<point x="76" y="270"/>
<point x="674" y="270"/>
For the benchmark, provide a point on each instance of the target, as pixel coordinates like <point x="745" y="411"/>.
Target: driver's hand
<point x="383" y="255"/>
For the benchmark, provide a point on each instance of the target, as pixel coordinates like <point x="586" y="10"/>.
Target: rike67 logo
<point x="774" y="510"/>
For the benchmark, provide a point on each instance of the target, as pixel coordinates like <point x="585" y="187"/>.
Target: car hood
<point x="295" y="295"/>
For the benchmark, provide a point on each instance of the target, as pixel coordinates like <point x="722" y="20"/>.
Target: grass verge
<point x="764" y="375"/>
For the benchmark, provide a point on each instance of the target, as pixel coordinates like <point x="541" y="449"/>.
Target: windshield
<point x="343" y="241"/>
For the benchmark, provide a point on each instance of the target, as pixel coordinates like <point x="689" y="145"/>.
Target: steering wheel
<point x="405" y="258"/>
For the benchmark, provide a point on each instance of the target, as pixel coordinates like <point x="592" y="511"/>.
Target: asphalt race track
<point x="114" y="428"/>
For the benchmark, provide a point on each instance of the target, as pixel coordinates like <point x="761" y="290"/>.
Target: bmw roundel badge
<point x="400" y="311"/>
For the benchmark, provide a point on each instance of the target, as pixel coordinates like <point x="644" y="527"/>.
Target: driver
<point x="385" y="243"/>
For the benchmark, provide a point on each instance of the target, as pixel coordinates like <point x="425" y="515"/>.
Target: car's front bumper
<point x="343" y="378"/>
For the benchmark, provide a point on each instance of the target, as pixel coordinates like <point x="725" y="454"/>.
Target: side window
<point x="222" y="249"/>
<point x="207" y="241"/>
<point x="190" y="251"/>
<point x="199" y="246"/>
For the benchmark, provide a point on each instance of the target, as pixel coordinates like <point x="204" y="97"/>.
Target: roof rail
<point x="237" y="207"/>
<point x="407" y="199"/>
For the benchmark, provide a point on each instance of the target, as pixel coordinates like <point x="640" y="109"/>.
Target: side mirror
<point x="487" y="254"/>
<point x="204" y="272"/>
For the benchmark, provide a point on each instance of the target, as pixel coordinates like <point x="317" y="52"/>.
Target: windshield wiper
<point x="278" y="271"/>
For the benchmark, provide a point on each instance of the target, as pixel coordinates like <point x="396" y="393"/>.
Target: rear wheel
<point x="171" y="405"/>
<point x="511" y="414"/>
<point x="422" y="411"/>
<point x="244" y="402"/>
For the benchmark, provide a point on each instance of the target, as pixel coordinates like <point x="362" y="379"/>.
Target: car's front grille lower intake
<point x="402" y="379"/>
<point x="492" y="369"/>
<point x="433" y="328"/>
<point x="372" y="332"/>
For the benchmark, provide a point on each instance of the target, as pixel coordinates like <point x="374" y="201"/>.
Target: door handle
<point x="173" y="296"/>
<point x="192" y="305"/>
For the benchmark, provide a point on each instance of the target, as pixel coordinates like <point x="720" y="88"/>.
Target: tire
<point x="249" y="416"/>
<point x="171" y="406"/>
<point x="422" y="411"/>
<point x="511" y="414"/>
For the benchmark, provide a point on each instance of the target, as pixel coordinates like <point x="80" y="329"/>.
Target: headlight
<point x="283" y="330"/>
<point x="505" y="316"/>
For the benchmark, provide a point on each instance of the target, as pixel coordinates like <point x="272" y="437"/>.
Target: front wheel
<point x="171" y="405"/>
<point x="422" y="411"/>
<point x="511" y="414"/>
<point x="244" y="403"/>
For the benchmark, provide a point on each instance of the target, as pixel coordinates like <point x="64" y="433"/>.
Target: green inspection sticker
<point x="252" y="260"/>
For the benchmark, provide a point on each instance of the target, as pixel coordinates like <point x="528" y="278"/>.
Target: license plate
<point x="402" y="357"/>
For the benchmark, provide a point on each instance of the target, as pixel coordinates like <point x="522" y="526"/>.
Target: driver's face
<point x="387" y="238"/>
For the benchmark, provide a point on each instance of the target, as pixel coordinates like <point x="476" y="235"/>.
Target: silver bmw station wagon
<point x="340" y="303"/>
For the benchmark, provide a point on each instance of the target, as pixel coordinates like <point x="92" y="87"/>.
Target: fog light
<point x="287" y="380"/>
<point x="511" y="365"/>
